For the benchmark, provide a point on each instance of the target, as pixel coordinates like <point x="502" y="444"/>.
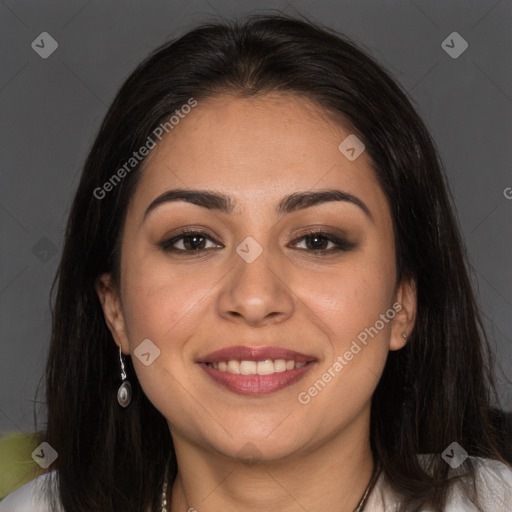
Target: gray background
<point x="51" y="108"/>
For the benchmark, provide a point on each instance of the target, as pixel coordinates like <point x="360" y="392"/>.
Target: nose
<point x="256" y="292"/>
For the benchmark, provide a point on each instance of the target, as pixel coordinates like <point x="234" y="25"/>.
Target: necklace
<point x="163" y="505"/>
<point x="359" y="508"/>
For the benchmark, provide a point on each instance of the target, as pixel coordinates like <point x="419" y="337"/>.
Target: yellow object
<point x="17" y="467"/>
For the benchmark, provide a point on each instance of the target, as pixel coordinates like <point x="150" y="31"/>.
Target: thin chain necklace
<point x="359" y="508"/>
<point x="364" y="499"/>
<point x="163" y="505"/>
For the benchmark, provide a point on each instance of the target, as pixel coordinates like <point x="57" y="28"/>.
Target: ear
<point x="403" y="322"/>
<point x="111" y="304"/>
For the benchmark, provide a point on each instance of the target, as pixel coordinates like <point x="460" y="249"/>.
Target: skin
<point x="310" y="457"/>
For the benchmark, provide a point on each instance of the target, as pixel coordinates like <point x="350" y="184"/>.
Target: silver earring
<point x="404" y="335"/>
<point x="124" y="393"/>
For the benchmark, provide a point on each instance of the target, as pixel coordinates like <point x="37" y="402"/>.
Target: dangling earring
<point x="124" y="393"/>
<point x="407" y="389"/>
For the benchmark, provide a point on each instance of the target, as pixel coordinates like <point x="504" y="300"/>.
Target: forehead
<point x="257" y="150"/>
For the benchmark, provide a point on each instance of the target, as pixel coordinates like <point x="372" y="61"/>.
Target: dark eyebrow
<point x="225" y="204"/>
<point x="300" y="200"/>
<point x="209" y="200"/>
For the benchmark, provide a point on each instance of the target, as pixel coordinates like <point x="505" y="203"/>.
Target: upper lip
<point x="241" y="352"/>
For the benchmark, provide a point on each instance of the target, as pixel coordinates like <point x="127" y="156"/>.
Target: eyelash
<point x="341" y="244"/>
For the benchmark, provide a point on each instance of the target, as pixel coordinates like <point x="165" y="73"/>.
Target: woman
<point x="263" y="301"/>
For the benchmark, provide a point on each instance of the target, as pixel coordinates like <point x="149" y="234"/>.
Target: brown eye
<point x="188" y="241"/>
<point x="193" y="242"/>
<point x="318" y="242"/>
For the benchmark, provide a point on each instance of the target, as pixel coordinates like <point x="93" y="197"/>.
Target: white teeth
<point x="247" y="367"/>
<point x="234" y="367"/>
<point x="280" y="365"/>
<point x="266" y="367"/>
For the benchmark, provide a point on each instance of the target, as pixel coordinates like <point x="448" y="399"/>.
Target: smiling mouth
<point x="244" y="379"/>
<point x="263" y="367"/>
<point x="255" y="370"/>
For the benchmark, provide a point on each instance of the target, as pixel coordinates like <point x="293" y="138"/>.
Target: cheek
<point x="160" y="306"/>
<point x="350" y="305"/>
<point x="167" y="307"/>
<point x="158" y="300"/>
<point x="351" y="298"/>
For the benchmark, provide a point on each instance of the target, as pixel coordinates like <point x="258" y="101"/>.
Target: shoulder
<point x="30" y="497"/>
<point x="493" y="483"/>
<point x="489" y="468"/>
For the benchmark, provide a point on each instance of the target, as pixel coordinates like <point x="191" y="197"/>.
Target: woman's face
<point x="253" y="278"/>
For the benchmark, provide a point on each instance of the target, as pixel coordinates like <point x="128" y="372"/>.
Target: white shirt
<point x="494" y="485"/>
<point x="30" y="497"/>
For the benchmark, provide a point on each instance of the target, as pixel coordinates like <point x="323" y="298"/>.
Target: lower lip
<point x="256" y="385"/>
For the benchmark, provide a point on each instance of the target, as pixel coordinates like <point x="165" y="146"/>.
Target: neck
<point x="332" y="475"/>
